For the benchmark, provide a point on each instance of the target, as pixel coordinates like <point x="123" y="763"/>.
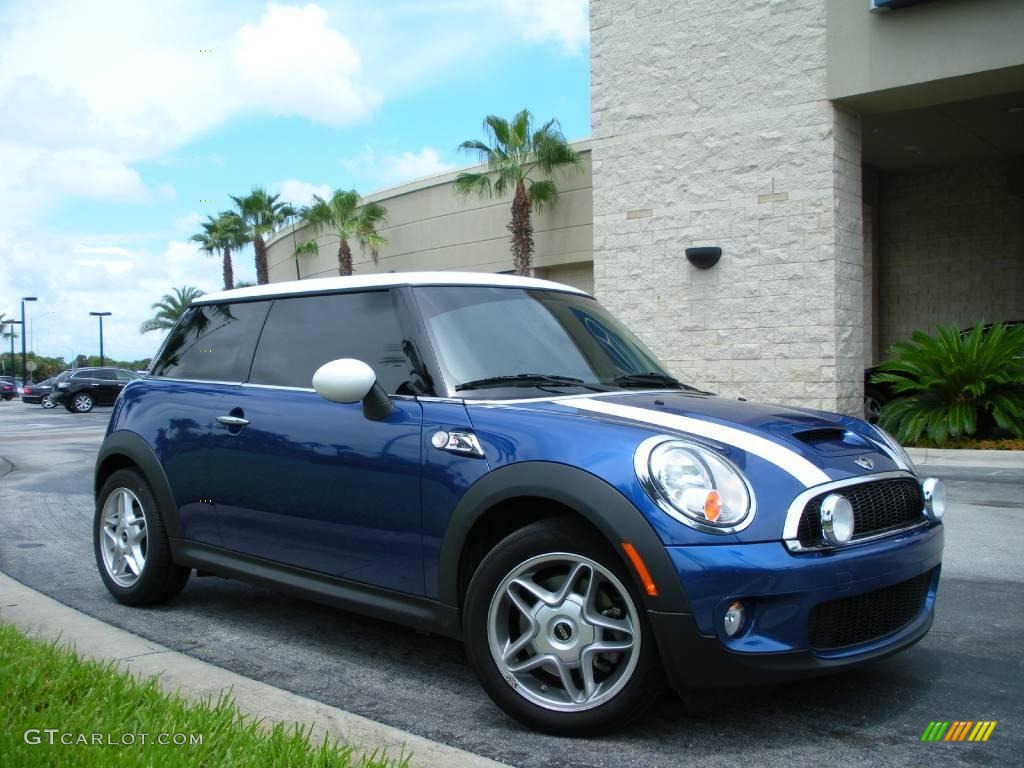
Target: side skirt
<point x="410" y="610"/>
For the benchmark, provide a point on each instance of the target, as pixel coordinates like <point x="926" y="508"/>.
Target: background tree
<point x="171" y="307"/>
<point x="343" y="215"/>
<point x="7" y="333"/>
<point x="513" y="151"/>
<point x="221" y="235"/>
<point x="261" y="214"/>
<point x="954" y="383"/>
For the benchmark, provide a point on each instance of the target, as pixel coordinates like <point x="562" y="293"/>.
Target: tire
<point x="81" y="402"/>
<point x="124" y="499"/>
<point x="873" y="402"/>
<point x="545" y="554"/>
<point x="47" y="403"/>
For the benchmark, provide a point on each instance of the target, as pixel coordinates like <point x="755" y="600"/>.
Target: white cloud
<point x="300" y="193"/>
<point x="293" y="63"/>
<point x="189" y="223"/>
<point x="409" y="165"/>
<point x="88" y="91"/>
<point x="395" y="168"/>
<point x="566" y="22"/>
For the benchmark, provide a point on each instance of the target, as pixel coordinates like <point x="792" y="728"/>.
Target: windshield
<point x="494" y="342"/>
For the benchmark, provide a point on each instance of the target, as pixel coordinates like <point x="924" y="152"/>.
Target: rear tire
<point x="557" y="633"/>
<point x="130" y="542"/>
<point x="81" y="403"/>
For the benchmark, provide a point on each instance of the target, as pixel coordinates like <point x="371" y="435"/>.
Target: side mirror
<point x="349" y="381"/>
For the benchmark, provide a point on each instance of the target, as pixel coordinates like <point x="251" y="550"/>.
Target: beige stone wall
<point x="429" y="227"/>
<point x="711" y="127"/>
<point x="952" y="249"/>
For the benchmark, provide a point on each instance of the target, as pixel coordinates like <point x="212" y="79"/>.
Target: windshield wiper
<point x="653" y="379"/>
<point x="524" y="380"/>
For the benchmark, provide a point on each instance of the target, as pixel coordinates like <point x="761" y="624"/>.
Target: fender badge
<point x="865" y="462"/>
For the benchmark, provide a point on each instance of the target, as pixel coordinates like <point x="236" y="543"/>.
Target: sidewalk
<point x="36" y="614"/>
<point x="963" y="457"/>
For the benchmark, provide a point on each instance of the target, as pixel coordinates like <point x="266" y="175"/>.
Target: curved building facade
<point x="430" y="227"/>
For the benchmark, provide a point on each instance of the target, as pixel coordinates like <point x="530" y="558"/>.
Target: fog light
<point x="934" y="499"/>
<point x="733" y="621"/>
<point x="836" y="520"/>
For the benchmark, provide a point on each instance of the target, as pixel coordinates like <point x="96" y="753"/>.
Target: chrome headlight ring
<point x="715" y="473"/>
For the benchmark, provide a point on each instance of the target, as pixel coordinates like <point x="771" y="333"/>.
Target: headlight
<point x="694" y="485"/>
<point x="898" y="449"/>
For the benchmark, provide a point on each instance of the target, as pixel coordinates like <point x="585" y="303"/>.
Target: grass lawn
<point x="100" y="715"/>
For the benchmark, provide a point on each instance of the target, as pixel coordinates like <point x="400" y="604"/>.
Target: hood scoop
<point x="832" y="439"/>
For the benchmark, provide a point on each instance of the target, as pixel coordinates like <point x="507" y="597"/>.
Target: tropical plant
<point x="221" y="235"/>
<point x="310" y="248"/>
<point x="954" y="383"/>
<point x="347" y="219"/>
<point x="170" y="307"/>
<point x="261" y="214"/>
<point x="244" y="284"/>
<point x="513" y="151"/>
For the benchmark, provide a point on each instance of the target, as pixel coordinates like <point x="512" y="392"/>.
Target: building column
<point x="711" y="127"/>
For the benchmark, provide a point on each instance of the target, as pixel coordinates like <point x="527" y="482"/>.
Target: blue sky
<point x="118" y="125"/>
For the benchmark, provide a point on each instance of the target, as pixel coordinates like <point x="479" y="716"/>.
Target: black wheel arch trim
<point x="132" y="447"/>
<point x="598" y="502"/>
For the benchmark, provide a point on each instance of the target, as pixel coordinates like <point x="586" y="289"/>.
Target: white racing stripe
<point x="779" y="455"/>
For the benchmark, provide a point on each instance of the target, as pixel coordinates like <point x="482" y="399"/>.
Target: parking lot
<point x="969" y="667"/>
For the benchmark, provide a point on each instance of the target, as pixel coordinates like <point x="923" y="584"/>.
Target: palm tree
<point x="346" y="218"/>
<point x="221" y="235"/>
<point x="308" y="248"/>
<point x="261" y="214"/>
<point x="512" y="152"/>
<point x="170" y="307"/>
<point x="8" y="334"/>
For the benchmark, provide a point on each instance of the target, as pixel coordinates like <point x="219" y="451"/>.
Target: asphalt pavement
<point x="969" y="667"/>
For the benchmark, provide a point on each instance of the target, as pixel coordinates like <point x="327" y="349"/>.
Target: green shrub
<point x="953" y="384"/>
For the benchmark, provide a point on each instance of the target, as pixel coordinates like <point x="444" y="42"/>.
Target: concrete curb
<point x="964" y="457"/>
<point x="36" y="614"/>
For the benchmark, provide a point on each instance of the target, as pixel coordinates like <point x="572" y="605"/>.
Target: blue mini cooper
<point x="497" y="459"/>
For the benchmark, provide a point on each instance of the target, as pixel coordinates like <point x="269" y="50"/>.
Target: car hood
<point x="813" y="446"/>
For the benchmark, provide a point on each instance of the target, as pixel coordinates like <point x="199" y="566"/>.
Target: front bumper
<point x="779" y="591"/>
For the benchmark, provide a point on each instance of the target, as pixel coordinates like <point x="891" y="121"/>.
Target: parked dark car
<point x="10" y="387"/>
<point x="38" y="394"/>
<point x="81" y="389"/>
<point x="498" y="459"/>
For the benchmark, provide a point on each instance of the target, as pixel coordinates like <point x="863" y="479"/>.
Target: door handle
<point x="233" y="421"/>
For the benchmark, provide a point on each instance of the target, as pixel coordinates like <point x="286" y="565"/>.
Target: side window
<point x="105" y="374"/>
<point x="212" y="342"/>
<point x="303" y="333"/>
<point x="83" y="375"/>
<point x="125" y="375"/>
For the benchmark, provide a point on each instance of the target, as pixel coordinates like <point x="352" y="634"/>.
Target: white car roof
<point x="328" y="284"/>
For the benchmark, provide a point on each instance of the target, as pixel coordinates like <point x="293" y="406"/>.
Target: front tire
<point x="556" y="632"/>
<point x="130" y="543"/>
<point x="81" y="403"/>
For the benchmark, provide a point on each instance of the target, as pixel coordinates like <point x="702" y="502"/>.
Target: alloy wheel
<point x="563" y="632"/>
<point x="124" y="540"/>
<point x="82" y="403"/>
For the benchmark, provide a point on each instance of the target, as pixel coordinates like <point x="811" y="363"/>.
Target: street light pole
<point x="101" y="315"/>
<point x="24" y="371"/>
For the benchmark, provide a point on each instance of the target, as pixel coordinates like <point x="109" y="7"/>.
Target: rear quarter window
<point x="213" y="342"/>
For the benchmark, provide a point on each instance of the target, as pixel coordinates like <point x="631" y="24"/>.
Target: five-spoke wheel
<point x="132" y="549"/>
<point x="562" y="630"/>
<point x="556" y="631"/>
<point x="124" y="540"/>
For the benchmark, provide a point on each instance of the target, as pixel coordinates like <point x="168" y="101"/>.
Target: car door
<point x="320" y="486"/>
<point x="205" y="357"/>
<point x="104" y="385"/>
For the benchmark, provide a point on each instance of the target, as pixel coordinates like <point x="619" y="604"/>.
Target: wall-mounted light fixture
<point x="704" y="257"/>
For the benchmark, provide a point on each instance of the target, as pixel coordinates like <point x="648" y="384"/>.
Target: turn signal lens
<point x="641" y="569"/>
<point x="712" y="506"/>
